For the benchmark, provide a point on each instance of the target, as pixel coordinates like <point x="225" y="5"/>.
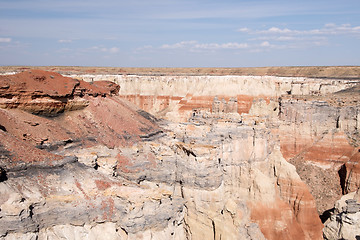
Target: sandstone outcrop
<point x="213" y="160"/>
<point x="317" y="118"/>
<point x="344" y="223"/>
<point x="47" y="93"/>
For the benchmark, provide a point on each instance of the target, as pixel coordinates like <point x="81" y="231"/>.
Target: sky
<point x="179" y="33"/>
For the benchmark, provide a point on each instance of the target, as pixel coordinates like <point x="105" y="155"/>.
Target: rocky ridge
<point x="217" y="166"/>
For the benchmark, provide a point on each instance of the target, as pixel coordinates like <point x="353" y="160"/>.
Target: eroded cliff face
<point x="315" y="121"/>
<point x="213" y="161"/>
<point x="320" y="137"/>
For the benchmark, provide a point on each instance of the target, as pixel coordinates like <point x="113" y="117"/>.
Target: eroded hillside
<point x="218" y="157"/>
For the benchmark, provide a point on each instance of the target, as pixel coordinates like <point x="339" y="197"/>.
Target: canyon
<point x="180" y="154"/>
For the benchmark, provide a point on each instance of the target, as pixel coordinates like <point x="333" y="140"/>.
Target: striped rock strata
<point x="214" y="168"/>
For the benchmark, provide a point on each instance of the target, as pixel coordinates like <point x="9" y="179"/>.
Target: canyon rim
<point x="126" y="153"/>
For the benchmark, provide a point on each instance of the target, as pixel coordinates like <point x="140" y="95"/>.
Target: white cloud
<point x="328" y="29"/>
<point x="194" y="45"/>
<point x="278" y="30"/>
<point x="146" y="48"/>
<point x="113" y="50"/>
<point x="285" y="38"/>
<point x="182" y="44"/>
<point x="265" y="40"/>
<point x="5" y="40"/>
<point x="329" y="25"/>
<point x="265" y="44"/>
<point x="64" y="41"/>
<point x="232" y="45"/>
<point x="243" y="29"/>
<point x="104" y="49"/>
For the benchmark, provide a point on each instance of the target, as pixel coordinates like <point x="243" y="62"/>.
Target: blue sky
<point x="179" y="33"/>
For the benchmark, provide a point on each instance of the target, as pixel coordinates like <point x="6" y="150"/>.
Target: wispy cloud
<point x="64" y="41"/>
<point x="328" y="29"/>
<point x="195" y="45"/>
<point x="103" y="49"/>
<point x="99" y="50"/>
<point x="287" y="38"/>
<point x="113" y="50"/>
<point x="5" y="40"/>
<point x="264" y="45"/>
<point x="266" y="39"/>
<point x="230" y="45"/>
<point x="183" y="44"/>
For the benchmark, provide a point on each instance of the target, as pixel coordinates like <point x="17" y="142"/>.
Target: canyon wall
<point x="315" y="120"/>
<point x="219" y="157"/>
<point x="177" y="97"/>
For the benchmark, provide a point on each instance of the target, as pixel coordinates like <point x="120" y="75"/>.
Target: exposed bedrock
<point x="344" y="222"/>
<point x="234" y="180"/>
<point x="316" y="119"/>
<point x="225" y="157"/>
<point x="321" y="139"/>
<point x="177" y="97"/>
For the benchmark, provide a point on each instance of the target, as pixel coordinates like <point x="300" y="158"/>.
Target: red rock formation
<point x="36" y="83"/>
<point x="17" y="154"/>
<point x="102" y="117"/>
<point x="277" y="221"/>
<point x="297" y="196"/>
<point x="49" y="93"/>
<point x="332" y="147"/>
<point x="187" y="105"/>
<point x="293" y="214"/>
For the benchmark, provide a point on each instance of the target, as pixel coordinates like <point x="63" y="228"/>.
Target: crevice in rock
<point x="337" y="121"/>
<point x="3" y="176"/>
<point x="124" y="230"/>
<point x="31" y="213"/>
<point x="96" y="167"/>
<point x="3" y="128"/>
<point x="342" y="175"/>
<point x="187" y="151"/>
<point x="213" y="227"/>
<point x="182" y="189"/>
<point x="141" y="179"/>
<point x="326" y="215"/>
<point x="254" y="137"/>
<point x="188" y="232"/>
<point x="280" y="107"/>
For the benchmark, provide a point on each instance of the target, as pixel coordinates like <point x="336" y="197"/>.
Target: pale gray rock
<point x="345" y="222"/>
